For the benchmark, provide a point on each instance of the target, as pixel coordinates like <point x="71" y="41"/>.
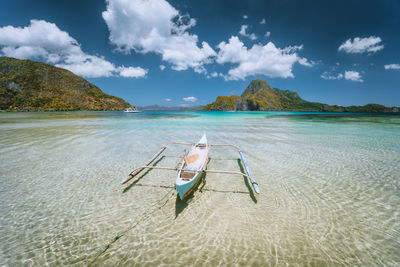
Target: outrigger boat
<point x="193" y="165"/>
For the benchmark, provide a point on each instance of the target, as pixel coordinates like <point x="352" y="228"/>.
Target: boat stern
<point x="184" y="188"/>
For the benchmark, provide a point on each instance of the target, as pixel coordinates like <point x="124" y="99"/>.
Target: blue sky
<point x="188" y="52"/>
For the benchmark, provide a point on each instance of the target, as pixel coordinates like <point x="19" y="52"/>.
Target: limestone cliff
<point x="259" y="95"/>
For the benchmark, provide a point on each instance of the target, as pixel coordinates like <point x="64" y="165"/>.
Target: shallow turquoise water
<point x="330" y="190"/>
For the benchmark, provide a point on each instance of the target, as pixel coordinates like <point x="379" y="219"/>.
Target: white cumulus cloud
<point x="168" y="100"/>
<point x="392" y="67"/>
<point x="243" y="32"/>
<point x="162" y="67"/>
<point x="327" y="76"/>
<point x="190" y="99"/>
<point x="359" y="45"/>
<point x="268" y="34"/>
<point x="154" y="26"/>
<point x="260" y="59"/>
<point x="25" y="52"/>
<point x="353" y="76"/>
<point x="87" y="65"/>
<point x="263" y="21"/>
<point x="245" y="16"/>
<point x="132" y="72"/>
<point x="303" y="61"/>
<point x="44" y="40"/>
<point x="350" y="75"/>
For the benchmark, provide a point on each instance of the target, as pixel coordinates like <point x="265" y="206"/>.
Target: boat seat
<point x="194" y="161"/>
<point x="186" y="174"/>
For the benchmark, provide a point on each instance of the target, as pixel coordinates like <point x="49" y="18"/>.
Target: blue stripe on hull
<point x="184" y="188"/>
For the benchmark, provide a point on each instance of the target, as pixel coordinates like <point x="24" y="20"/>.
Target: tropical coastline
<point x="199" y="133"/>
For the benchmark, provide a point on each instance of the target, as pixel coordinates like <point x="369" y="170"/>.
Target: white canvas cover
<point x="199" y="154"/>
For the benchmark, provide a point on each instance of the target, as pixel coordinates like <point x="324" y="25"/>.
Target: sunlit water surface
<point x="330" y="190"/>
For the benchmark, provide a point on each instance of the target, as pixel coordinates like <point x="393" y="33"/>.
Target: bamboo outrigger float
<point x="193" y="165"/>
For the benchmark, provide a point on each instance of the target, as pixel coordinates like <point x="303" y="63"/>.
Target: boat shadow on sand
<point x="246" y="182"/>
<point x="180" y="205"/>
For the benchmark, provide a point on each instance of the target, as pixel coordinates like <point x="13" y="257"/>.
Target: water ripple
<point x="330" y="190"/>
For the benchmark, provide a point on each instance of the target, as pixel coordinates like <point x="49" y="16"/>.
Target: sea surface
<point x="330" y="190"/>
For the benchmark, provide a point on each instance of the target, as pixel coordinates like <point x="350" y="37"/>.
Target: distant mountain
<point x="259" y="95"/>
<point x="31" y="85"/>
<point x="162" y="108"/>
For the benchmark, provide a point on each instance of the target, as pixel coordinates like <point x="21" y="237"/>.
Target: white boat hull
<point x="184" y="189"/>
<point x="185" y="185"/>
<point x="131" y="110"/>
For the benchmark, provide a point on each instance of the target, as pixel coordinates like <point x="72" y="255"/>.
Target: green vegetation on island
<point x="30" y="85"/>
<point x="259" y="95"/>
<point x="225" y="103"/>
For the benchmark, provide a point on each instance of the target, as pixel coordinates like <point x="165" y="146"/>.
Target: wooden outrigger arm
<point x="138" y="170"/>
<point x="249" y="175"/>
<point x="177" y="168"/>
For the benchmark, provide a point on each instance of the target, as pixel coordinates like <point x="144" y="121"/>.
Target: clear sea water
<point x="330" y="190"/>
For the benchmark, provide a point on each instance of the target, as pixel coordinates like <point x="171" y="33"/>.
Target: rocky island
<point x="30" y="85"/>
<point x="259" y="95"/>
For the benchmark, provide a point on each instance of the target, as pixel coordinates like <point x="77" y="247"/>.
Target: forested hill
<point x="31" y="85"/>
<point x="259" y="95"/>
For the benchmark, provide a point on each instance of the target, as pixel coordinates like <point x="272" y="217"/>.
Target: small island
<point x="27" y="85"/>
<point x="260" y="96"/>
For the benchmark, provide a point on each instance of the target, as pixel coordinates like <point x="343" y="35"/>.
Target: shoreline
<point x="195" y="110"/>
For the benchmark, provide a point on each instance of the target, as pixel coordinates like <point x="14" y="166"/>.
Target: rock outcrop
<point x="259" y="95"/>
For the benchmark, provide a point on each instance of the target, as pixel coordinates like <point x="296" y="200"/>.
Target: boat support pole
<point x="250" y="175"/>
<point x="226" y="172"/>
<point x="177" y="169"/>
<point x="138" y="170"/>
